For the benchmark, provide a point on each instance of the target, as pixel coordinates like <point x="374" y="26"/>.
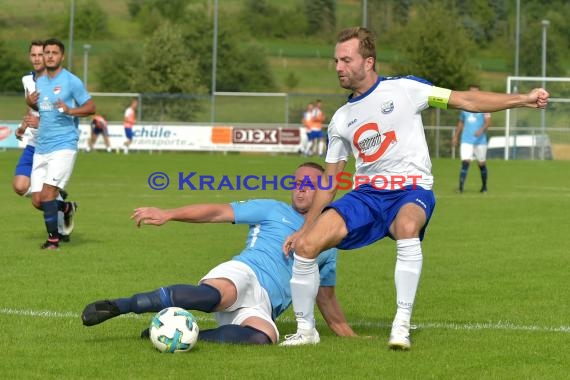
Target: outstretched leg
<point x="202" y="297"/>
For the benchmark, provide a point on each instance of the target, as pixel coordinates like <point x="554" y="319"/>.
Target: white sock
<point x="304" y="288"/>
<point x="59" y="217"/>
<point x="321" y="148"/>
<point x="407" y="276"/>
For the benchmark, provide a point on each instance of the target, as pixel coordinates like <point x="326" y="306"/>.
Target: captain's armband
<point x="439" y="97"/>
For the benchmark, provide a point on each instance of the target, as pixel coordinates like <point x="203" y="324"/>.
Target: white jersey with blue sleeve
<point x="58" y="130"/>
<point x="383" y="130"/>
<point x="270" y="222"/>
<point x="29" y="83"/>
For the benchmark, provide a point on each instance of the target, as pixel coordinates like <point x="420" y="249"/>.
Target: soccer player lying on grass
<point x="250" y="291"/>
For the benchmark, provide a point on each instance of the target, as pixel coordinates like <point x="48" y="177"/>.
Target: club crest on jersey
<point x="56" y="90"/>
<point x="387" y="107"/>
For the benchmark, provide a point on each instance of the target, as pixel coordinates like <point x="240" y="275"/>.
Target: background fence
<point x="286" y="110"/>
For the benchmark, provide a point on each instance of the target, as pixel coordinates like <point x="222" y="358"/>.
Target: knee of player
<point x="306" y="248"/>
<point x="405" y="229"/>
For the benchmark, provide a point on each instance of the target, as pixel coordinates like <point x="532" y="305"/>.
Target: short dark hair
<point x="313" y="165"/>
<point x="36" y="43"/>
<point x="55" y="41"/>
<point x="365" y="37"/>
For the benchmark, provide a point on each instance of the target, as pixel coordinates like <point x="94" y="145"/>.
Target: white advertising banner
<point x="201" y="138"/>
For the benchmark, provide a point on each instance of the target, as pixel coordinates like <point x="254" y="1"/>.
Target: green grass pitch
<point x="492" y="304"/>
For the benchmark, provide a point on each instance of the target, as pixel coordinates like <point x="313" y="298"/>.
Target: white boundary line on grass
<point x="501" y="325"/>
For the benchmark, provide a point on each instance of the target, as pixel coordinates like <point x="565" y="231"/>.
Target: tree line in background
<point x="436" y="40"/>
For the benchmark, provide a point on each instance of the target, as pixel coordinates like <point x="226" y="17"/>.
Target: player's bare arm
<point x="86" y="109"/>
<point x="332" y="313"/>
<point x="202" y="213"/>
<point x="482" y="101"/>
<point x="32" y="100"/>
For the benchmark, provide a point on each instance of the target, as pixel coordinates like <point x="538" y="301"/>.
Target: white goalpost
<point x="516" y="84"/>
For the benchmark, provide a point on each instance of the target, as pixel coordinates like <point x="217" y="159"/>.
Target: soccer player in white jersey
<point x="381" y="127"/>
<point x="249" y="292"/>
<point x="28" y="130"/>
<point x="28" y="127"/>
<point x="472" y="127"/>
<point x="60" y="98"/>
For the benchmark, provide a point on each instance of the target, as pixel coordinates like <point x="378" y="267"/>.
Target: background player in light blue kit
<point x="249" y="292"/>
<point x="55" y="98"/>
<point x="472" y="127"/>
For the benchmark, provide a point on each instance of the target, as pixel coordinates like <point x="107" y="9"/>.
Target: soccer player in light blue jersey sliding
<point x="472" y="128"/>
<point x="60" y="98"/>
<point x="250" y="291"/>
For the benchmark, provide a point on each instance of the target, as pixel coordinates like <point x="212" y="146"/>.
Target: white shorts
<point x="53" y="168"/>
<point x="252" y="299"/>
<point x="470" y="151"/>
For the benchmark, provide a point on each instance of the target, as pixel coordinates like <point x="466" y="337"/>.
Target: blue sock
<point x="463" y="174"/>
<point x="234" y="334"/>
<point x="202" y="298"/>
<point x="483" y="176"/>
<point x="50" y="209"/>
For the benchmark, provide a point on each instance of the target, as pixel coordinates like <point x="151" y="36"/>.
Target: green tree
<point x="321" y="17"/>
<point x="91" y="22"/>
<point x="438" y="52"/>
<point x="118" y="71"/>
<point x="168" y="75"/>
<point x="12" y="68"/>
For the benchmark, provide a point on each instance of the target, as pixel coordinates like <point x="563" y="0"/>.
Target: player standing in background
<point x="129" y="121"/>
<point x="318" y="120"/>
<point x="381" y="127"/>
<point x="29" y="129"/>
<point x="307" y="121"/>
<point x="98" y="127"/>
<point x="56" y="148"/>
<point x="472" y="127"/>
<point x="249" y="292"/>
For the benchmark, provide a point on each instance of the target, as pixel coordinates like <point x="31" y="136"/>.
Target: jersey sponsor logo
<point x="373" y="146"/>
<point x="387" y="107"/>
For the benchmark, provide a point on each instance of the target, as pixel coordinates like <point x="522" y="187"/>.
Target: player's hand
<point x="289" y="244"/>
<point x="62" y="107"/>
<point x="32" y="121"/>
<point x="32" y="99"/>
<point x="538" y="98"/>
<point x="149" y="215"/>
<point x="19" y="132"/>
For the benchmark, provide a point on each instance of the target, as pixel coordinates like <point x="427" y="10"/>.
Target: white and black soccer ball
<point x="174" y="330"/>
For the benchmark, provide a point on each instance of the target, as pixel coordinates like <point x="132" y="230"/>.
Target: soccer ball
<point x="174" y="330"/>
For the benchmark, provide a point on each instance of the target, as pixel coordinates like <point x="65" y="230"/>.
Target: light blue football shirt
<point x="58" y="130"/>
<point x="270" y="222"/>
<point x="472" y="122"/>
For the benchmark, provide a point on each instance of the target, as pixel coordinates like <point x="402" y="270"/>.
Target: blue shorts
<point x="26" y="161"/>
<point x="368" y="212"/>
<point x="97" y="131"/>
<point x="129" y="133"/>
<point x="313" y="135"/>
